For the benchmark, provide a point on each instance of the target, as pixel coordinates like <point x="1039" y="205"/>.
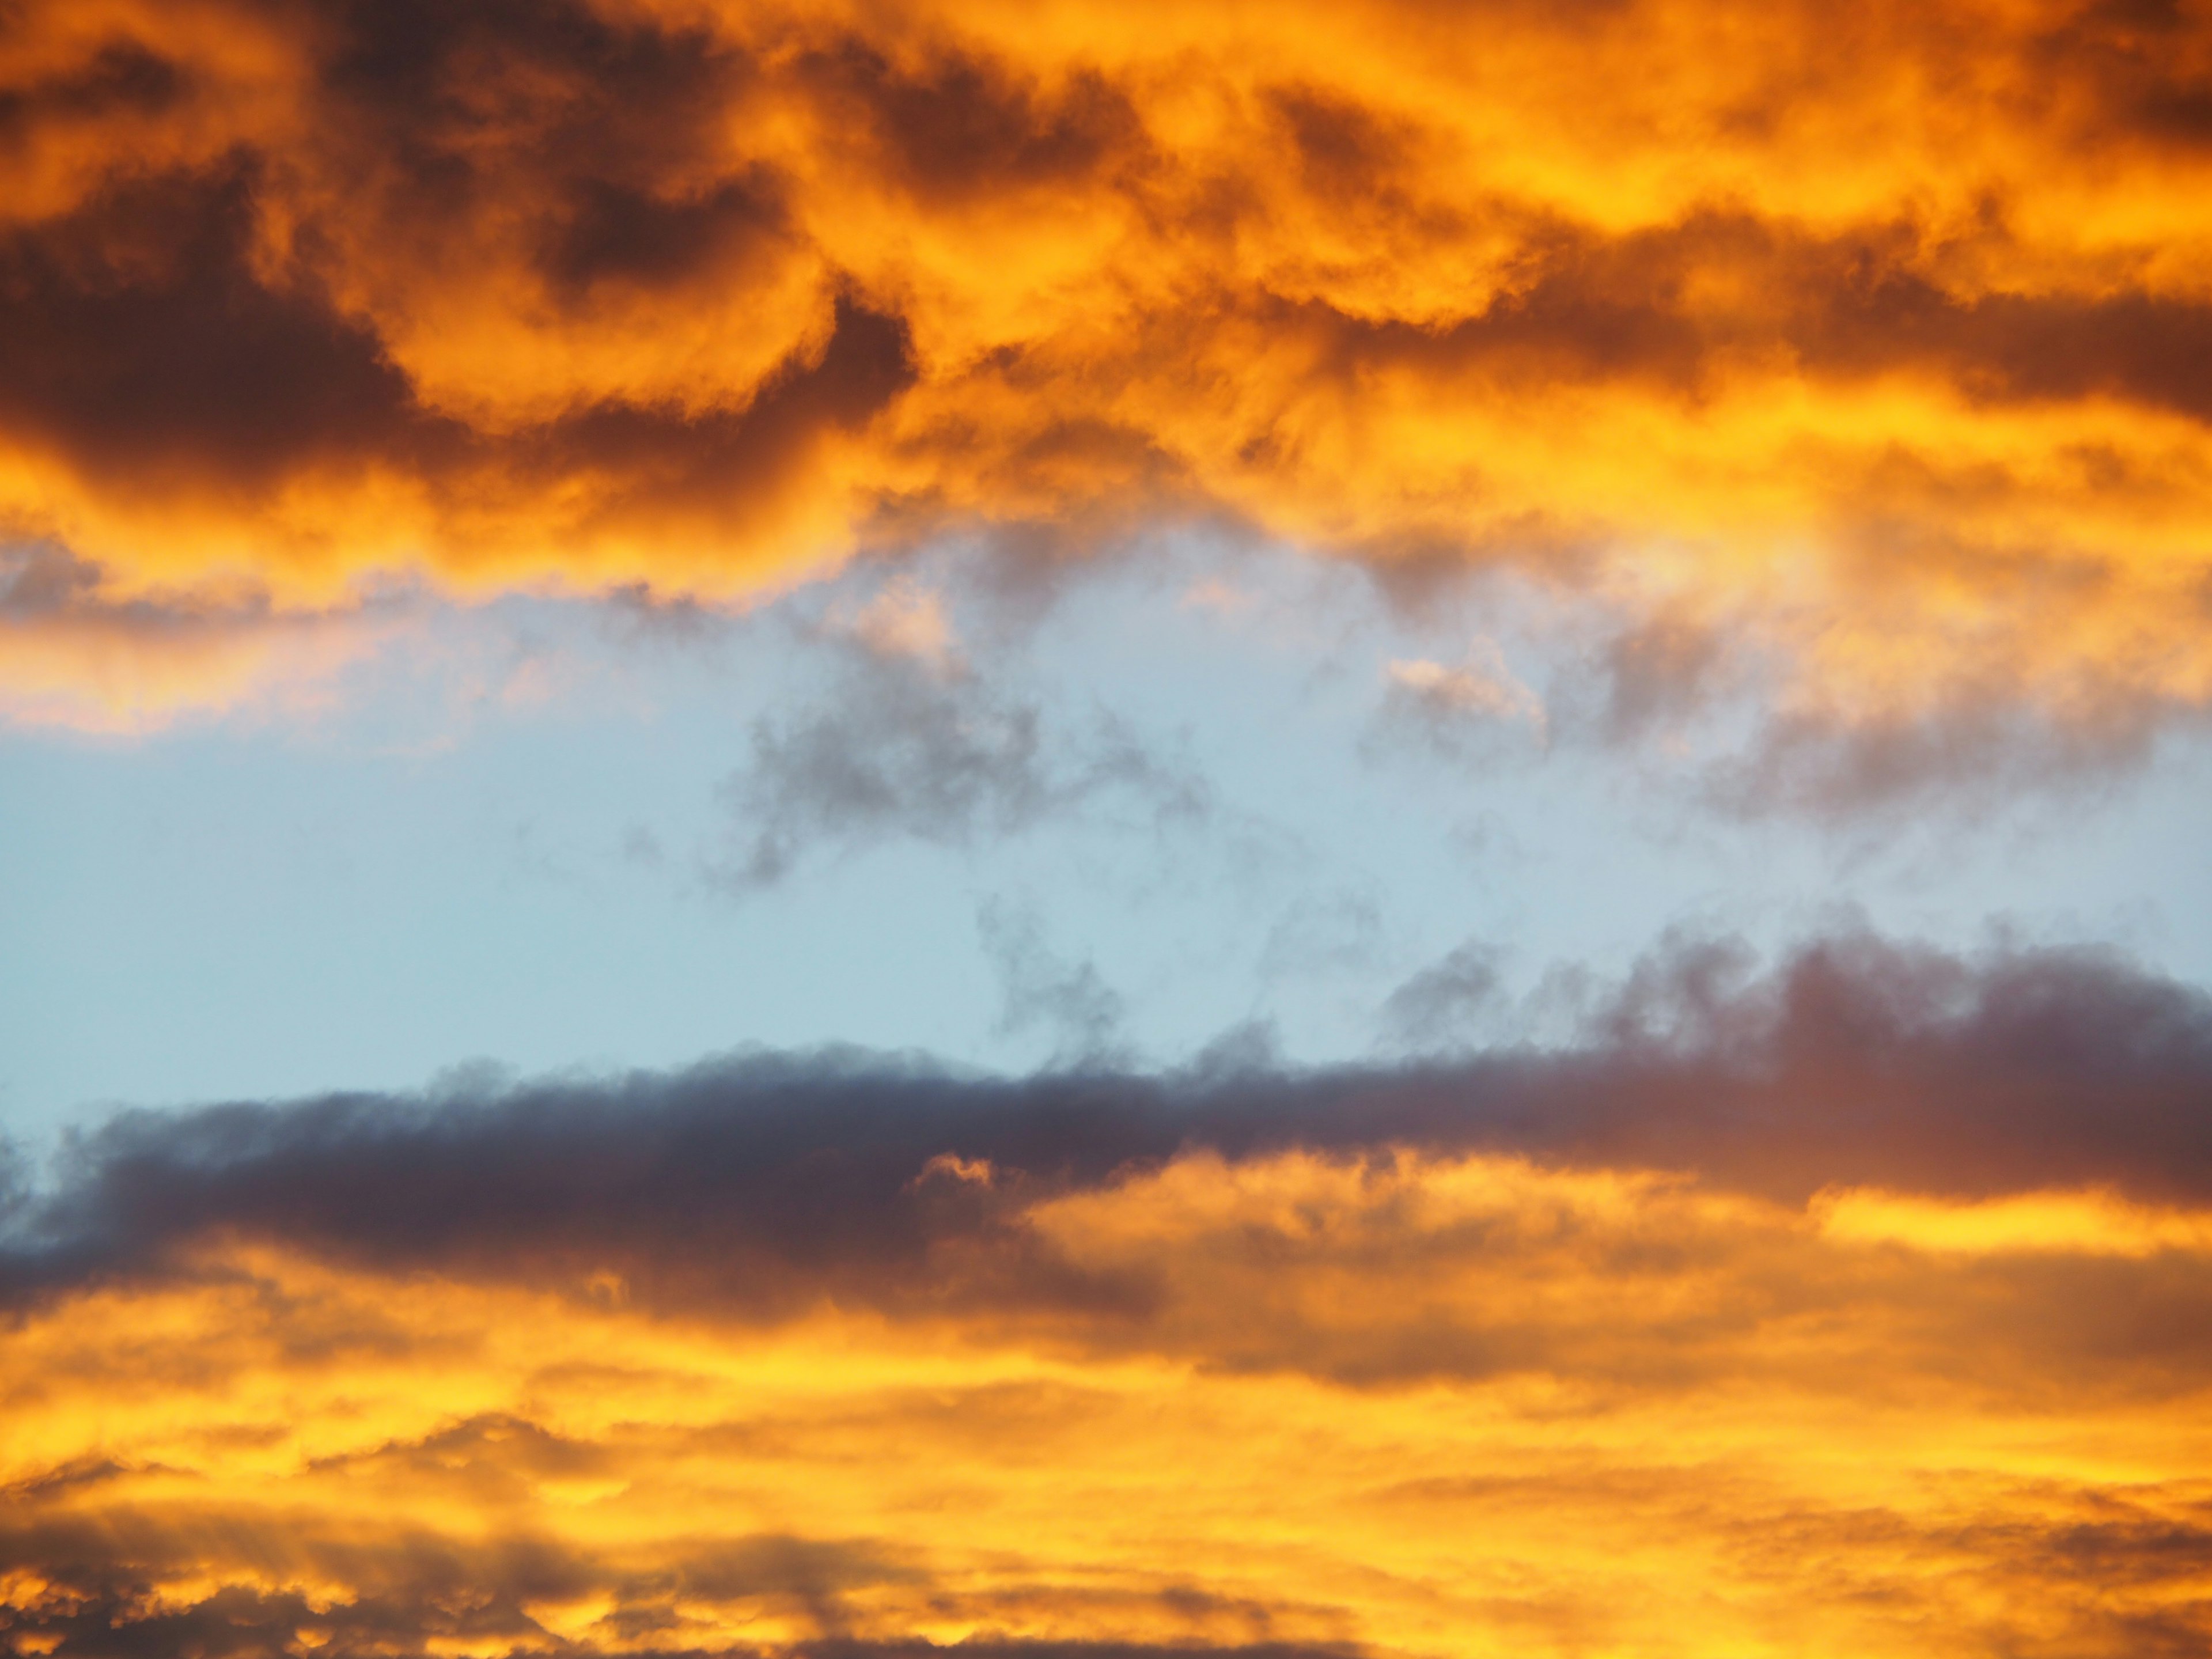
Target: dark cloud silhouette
<point x="621" y="233"/>
<point x="477" y="1600"/>
<point x="415" y="1590"/>
<point x="760" y="1181"/>
<point x="574" y="117"/>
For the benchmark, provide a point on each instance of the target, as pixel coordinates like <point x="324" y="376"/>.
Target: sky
<point x="1355" y="831"/>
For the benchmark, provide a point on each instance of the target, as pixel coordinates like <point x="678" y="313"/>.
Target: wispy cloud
<point x="1070" y="1002"/>
<point x="905" y="746"/>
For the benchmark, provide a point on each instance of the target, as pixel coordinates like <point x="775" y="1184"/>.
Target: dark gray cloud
<point x="901" y="750"/>
<point x="37" y="579"/>
<point x="444" y="1595"/>
<point x="759" y="1183"/>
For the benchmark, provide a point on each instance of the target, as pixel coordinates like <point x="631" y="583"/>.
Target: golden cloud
<point x="1867" y="1312"/>
<point x="69" y="657"/>
<point x="1391" y="1404"/>
<point x="1875" y="345"/>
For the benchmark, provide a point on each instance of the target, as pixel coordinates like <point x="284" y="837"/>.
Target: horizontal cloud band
<point x="1880" y="353"/>
<point x="1856" y="1309"/>
<point x="1857" y="1063"/>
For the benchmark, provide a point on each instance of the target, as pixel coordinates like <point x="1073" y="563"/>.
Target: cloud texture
<point x="1854" y="368"/>
<point x="1876" y="345"/>
<point x="1858" y="1307"/>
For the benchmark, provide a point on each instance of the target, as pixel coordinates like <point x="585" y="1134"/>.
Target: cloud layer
<point x="1856" y="1308"/>
<point x="1873" y="348"/>
<point x="1844" y="380"/>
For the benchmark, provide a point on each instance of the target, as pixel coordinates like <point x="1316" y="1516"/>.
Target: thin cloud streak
<point x="1856" y="1063"/>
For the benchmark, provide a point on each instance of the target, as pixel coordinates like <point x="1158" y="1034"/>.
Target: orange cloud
<point x="1404" y="1404"/>
<point x="1802" y="1324"/>
<point x="71" y="657"/>
<point x="1872" y="346"/>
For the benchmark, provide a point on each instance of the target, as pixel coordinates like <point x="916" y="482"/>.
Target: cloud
<point x="1970" y="756"/>
<point x="1071" y="1003"/>
<point x="1855" y="1063"/>
<point x="1891" y="387"/>
<point x="1463" y="714"/>
<point x="1857" y="1304"/>
<point x="908" y="744"/>
<point x="1323" y="934"/>
<point x="76" y="657"/>
<point x="1446" y="1005"/>
<point x="1486" y="689"/>
<point x="905" y="619"/>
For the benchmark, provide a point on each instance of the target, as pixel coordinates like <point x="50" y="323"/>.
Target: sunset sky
<point x="1105" y="831"/>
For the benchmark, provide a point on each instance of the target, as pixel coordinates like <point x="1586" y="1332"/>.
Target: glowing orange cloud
<point x="1873" y="345"/>
<point x="1398" y="1403"/>
<point x="1858" y="1310"/>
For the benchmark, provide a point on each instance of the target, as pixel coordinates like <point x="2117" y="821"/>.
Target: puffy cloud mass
<point x="1858" y="1309"/>
<point x="1874" y="342"/>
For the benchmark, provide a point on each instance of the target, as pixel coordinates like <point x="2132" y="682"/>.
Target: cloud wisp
<point x="1856" y="1306"/>
<point x="910" y="744"/>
